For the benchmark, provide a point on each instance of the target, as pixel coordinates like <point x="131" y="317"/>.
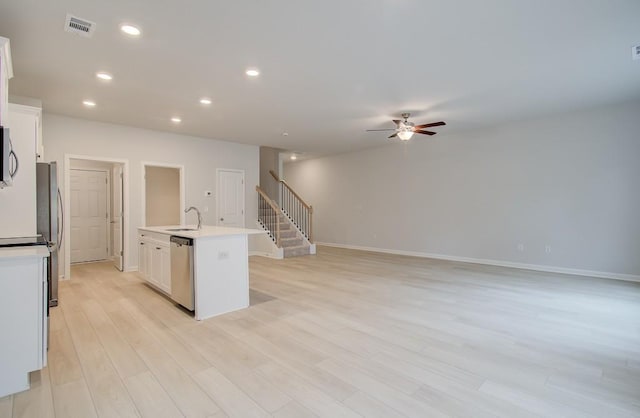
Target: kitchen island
<point x="220" y="265"/>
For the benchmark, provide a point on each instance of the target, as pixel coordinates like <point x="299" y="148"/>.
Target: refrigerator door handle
<point x="61" y="228"/>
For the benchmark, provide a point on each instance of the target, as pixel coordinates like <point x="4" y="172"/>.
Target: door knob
<point x="222" y="219"/>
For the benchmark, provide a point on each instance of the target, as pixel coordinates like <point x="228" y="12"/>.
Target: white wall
<point x="571" y="182"/>
<point x="269" y="161"/>
<point x="200" y="157"/>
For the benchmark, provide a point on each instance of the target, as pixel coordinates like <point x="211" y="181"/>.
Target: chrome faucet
<point x="199" y="216"/>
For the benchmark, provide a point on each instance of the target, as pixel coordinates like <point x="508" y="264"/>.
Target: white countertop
<point x="205" y="232"/>
<point x="30" y="251"/>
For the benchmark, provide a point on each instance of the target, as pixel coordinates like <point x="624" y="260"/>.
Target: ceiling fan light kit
<point x="405" y="135"/>
<point x="405" y="129"/>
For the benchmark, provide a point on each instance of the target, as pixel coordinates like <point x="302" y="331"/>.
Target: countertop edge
<point x="202" y="234"/>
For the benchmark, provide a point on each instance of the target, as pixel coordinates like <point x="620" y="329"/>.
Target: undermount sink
<point x="181" y="229"/>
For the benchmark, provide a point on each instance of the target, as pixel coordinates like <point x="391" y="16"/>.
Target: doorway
<point x="230" y="208"/>
<point x="96" y="194"/>
<point x="163" y="194"/>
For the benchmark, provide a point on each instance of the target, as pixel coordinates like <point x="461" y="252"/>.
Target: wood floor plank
<point x="73" y="400"/>
<point x="180" y="386"/>
<point x="150" y="398"/>
<point x="108" y="392"/>
<point x="229" y="357"/>
<point x="376" y="389"/>
<point x="370" y="407"/>
<point x="305" y="393"/>
<point x="36" y="402"/>
<point x="293" y="410"/>
<point x="6" y="407"/>
<point x="187" y="356"/>
<point x="122" y="355"/>
<point x="63" y="362"/>
<point x="231" y="399"/>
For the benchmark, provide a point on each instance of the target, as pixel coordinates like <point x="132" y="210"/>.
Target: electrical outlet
<point x="547" y="249"/>
<point x="205" y="209"/>
<point x="521" y="247"/>
<point x="223" y="255"/>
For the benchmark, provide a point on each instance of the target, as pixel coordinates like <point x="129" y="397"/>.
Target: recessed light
<point x="205" y="101"/>
<point x="89" y="103"/>
<point x="130" y="30"/>
<point x="104" y="76"/>
<point x="293" y="157"/>
<point x="176" y="119"/>
<point x="252" y="72"/>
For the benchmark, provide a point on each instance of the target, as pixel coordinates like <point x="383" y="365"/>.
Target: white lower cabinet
<point x="165" y="276"/>
<point x="23" y="316"/>
<point x="142" y="259"/>
<point x="154" y="262"/>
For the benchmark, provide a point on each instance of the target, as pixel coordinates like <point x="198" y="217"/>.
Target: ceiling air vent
<point x="635" y="52"/>
<point x="79" y="26"/>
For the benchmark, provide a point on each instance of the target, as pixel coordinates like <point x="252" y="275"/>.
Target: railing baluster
<point x="298" y="212"/>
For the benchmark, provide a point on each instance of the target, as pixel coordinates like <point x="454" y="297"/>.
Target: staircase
<point x="289" y="224"/>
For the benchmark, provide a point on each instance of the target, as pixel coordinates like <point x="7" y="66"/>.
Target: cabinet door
<point x="18" y="214"/>
<point x="165" y="279"/>
<point x="155" y="273"/>
<point x="142" y="259"/>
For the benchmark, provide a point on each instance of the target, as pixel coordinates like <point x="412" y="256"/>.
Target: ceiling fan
<point x="405" y="130"/>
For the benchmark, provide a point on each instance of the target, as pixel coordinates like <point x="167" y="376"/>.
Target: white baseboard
<point x="499" y="263"/>
<point x="277" y="256"/>
<point x="130" y="269"/>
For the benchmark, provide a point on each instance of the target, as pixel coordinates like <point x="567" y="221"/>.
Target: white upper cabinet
<point x="6" y="72"/>
<point x="18" y="202"/>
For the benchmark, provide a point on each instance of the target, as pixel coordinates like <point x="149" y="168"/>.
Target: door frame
<point x="218" y="192"/>
<point x="67" y="204"/>
<point x="143" y="209"/>
<point x="109" y="197"/>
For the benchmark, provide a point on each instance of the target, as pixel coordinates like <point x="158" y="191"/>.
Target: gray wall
<point x="571" y="182"/>
<point x="200" y="157"/>
<point x="269" y="160"/>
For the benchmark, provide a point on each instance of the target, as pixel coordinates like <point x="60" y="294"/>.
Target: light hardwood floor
<point x="345" y="333"/>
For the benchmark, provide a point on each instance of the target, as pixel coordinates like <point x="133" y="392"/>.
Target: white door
<point x="116" y="217"/>
<point x="89" y="216"/>
<point x="231" y="198"/>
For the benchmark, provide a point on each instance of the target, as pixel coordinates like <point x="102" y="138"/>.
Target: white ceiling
<point x="330" y="69"/>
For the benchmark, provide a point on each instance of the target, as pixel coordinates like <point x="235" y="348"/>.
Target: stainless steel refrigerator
<point x="50" y="220"/>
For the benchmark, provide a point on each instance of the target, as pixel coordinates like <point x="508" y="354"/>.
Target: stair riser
<point x="296" y="252"/>
<point x="290" y="242"/>
<point x="288" y="234"/>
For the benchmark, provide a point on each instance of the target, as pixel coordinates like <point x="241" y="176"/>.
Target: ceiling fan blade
<point x="418" y="131"/>
<point x="379" y="130"/>
<point x="429" y="125"/>
<point x="397" y="121"/>
<point x="393" y="136"/>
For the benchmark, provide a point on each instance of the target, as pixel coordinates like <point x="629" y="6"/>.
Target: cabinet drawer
<point x="155" y="236"/>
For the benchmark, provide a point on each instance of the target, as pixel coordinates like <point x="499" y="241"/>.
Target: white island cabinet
<point x="220" y="265"/>
<point x="23" y="315"/>
<point x="154" y="259"/>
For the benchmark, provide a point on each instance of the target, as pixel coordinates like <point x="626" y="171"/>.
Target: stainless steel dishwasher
<point x="182" y="271"/>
